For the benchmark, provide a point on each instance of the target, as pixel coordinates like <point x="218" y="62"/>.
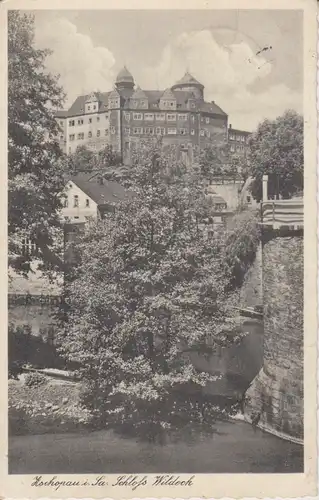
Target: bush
<point x="35" y="379"/>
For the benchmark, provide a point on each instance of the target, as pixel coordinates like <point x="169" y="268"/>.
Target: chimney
<point x="230" y="125"/>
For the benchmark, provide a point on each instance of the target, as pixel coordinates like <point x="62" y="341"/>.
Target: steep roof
<point x="211" y="107"/>
<point x="114" y="93"/>
<point x="188" y="79"/>
<point x="168" y="94"/>
<point x="61" y="113"/>
<point x="78" y="106"/>
<point x="139" y="94"/>
<point x="103" y="193"/>
<point x="124" y="76"/>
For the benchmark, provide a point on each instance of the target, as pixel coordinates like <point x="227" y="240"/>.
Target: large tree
<point x="276" y="150"/>
<point x="36" y="167"/>
<point x="149" y="290"/>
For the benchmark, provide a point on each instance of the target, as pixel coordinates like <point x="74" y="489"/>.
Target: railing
<point x="283" y="213"/>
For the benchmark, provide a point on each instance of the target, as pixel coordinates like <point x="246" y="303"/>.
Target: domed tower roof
<point x="188" y="81"/>
<point x="124" y="79"/>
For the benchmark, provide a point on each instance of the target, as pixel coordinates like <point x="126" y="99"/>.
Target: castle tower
<point x="124" y="82"/>
<point x="190" y="84"/>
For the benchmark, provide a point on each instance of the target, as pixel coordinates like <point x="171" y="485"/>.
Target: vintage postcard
<point x="159" y="249"/>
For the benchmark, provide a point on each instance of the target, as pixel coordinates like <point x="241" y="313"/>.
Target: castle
<point x="122" y="117"/>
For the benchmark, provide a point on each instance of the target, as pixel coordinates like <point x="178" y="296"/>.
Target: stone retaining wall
<point x="276" y="394"/>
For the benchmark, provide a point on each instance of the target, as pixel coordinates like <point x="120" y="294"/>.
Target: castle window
<point x="193" y="118"/>
<point x="202" y="132"/>
<point x="106" y="132"/>
<point x="127" y="131"/>
<point x="89" y="108"/>
<point x="137" y="116"/>
<point x="98" y="133"/>
<point x="71" y="137"/>
<point x="248" y="198"/>
<point x="137" y="130"/>
<point x="113" y="130"/>
<point x="90" y="135"/>
<point x="71" y="123"/>
<point x="127" y="116"/>
<point x="75" y="201"/>
<point x="207" y="120"/>
<point x="182" y="131"/>
<point x="81" y="136"/>
<point x="149" y="130"/>
<point x="97" y="118"/>
<point x="242" y="138"/>
<point x="90" y="120"/>
<point x="149" y="116"/>
<point x="160" y="131"/>
<point x="192" y="132"/>
<point x="160" y="116"/>
<point x="94" y="107"/>
<point x="172" y="131"/>
<point x="182" y="118"/>
<point x="207" y="133"/>
<point x="143" y="104"/>
<point x="171" y="117"/>
<point x="87" y="202"/>
<point x="232" y="148"/>
<point x="237" y="138"/>
<point x="80" y="122"/>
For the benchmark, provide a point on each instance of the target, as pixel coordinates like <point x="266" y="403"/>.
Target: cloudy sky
<point x="218" y="47"/>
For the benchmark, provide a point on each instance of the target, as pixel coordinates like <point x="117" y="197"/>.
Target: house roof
<point x="237" y="131"/>
<point x="139" y="94"/>
<point x="103" y="193"/>
<point x="124" y="76"/>
<point x="211" y="107"/>
<point x="188" y="79"/>
<point x="153" y="97"/>
<point x="78" y="106"/>
<point x="168" y="94"/>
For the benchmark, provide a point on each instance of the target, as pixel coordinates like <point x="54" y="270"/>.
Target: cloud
<point x="230" y="74"/>
<point x="82" y="66"/>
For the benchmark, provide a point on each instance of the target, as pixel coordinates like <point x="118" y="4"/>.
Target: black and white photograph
<point x="156" y="269"/>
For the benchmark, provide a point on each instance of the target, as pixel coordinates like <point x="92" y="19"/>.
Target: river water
<point x="234" y="447"/>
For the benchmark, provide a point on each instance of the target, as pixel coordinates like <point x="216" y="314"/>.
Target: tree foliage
<point x="84" y="159"/>
<point x="276" y="150"/>
<point x="150" y="290"/>
<point x="36" y="168"/>
<point x="241" y="243"/>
